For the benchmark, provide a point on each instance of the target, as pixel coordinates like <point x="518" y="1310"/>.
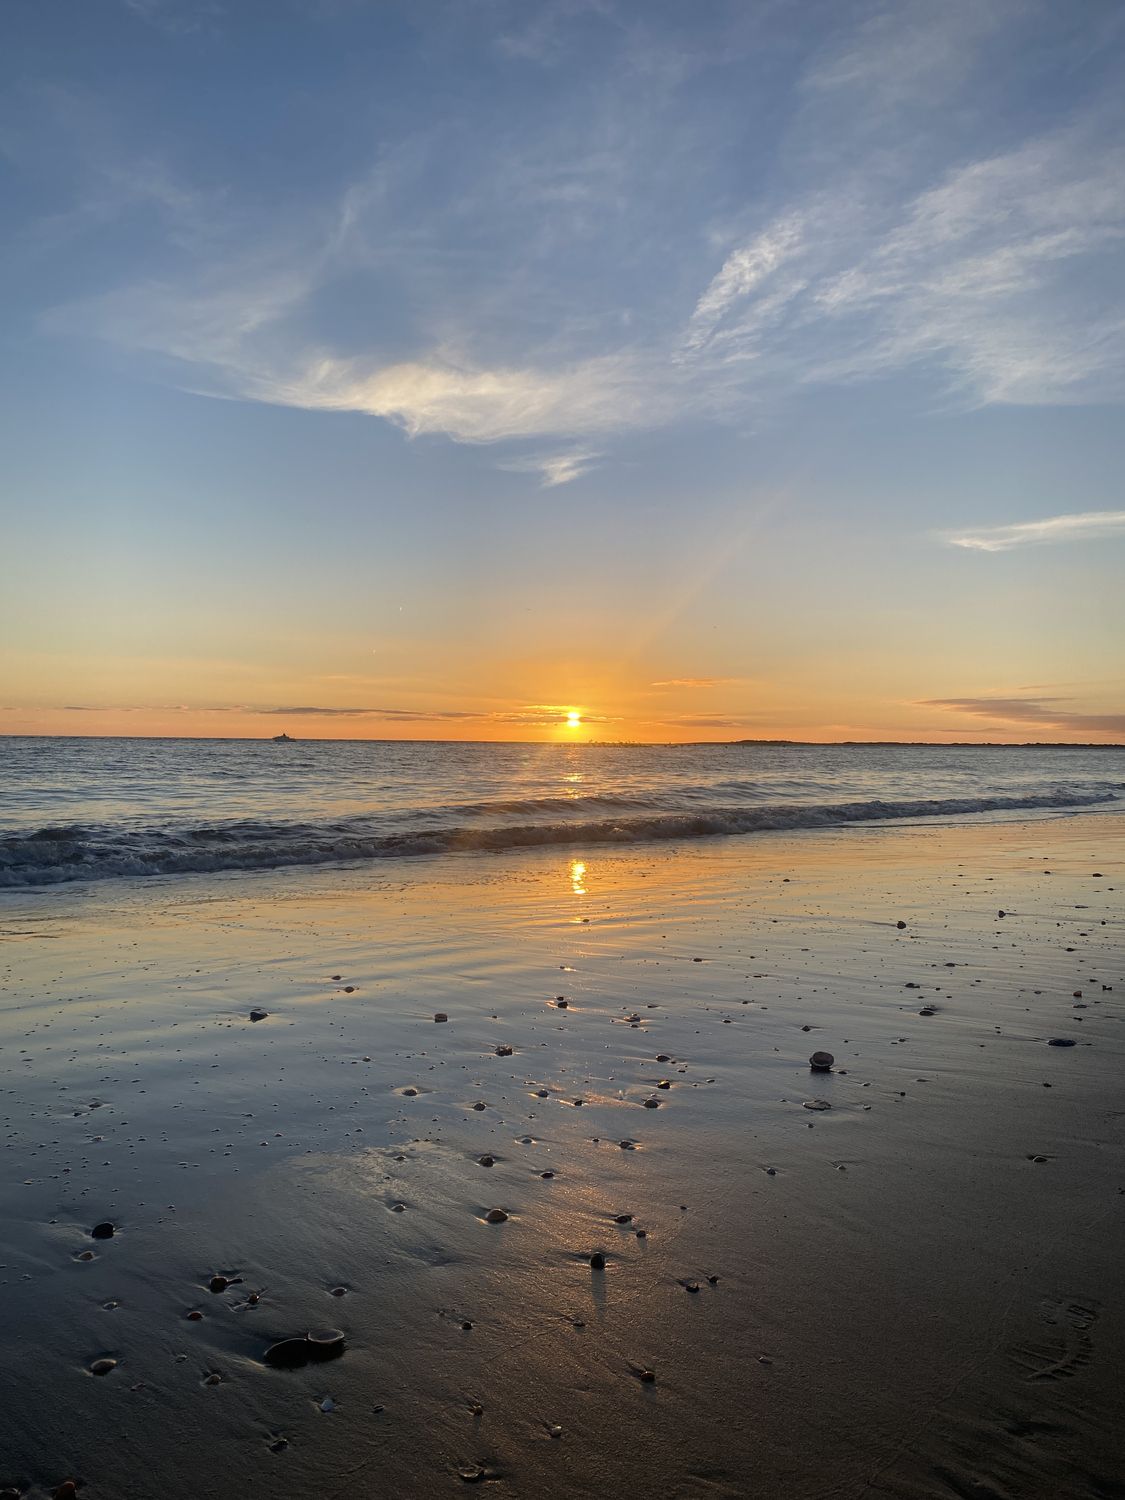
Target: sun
<point x="573" y="719"/>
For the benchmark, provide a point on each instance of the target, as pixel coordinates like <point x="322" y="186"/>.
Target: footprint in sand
<point x="1069" y="1345"/>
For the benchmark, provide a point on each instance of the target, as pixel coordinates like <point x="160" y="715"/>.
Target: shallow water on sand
<point x="907" y="1300"/>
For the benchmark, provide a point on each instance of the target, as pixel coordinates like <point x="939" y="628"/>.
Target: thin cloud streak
<point x="1085" y="526"/>
<point x="1042" y="712"/>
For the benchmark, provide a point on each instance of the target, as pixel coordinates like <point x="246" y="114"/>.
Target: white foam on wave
<point x="56" y="854"/>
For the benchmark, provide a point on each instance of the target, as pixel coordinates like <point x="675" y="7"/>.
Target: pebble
<point x="901" y="926"/>
<point x="1061" y="1041"/>
<point x="410" y="1093"/>
<point x="440" y="1015"/>
<point x="817" y="1104"/>
<point x="486" y="1161"/>
<point x="652" y="1104"/>
<point x="102" y="1231"/>
<point x="68" y="1490"/>
<point x="821" y="1062"/>
<point x="103" y="1366"/>
<point x="472" y="1476"/>
<point x="664" y="1084"/>
<point x="561" y="1003"/>
<point x="290" y="1354"/>
<point x="503" y="1051"/>
<point x="546" y="1176"/>
<point x="220" y="1283"/>
<point x="623" y="1219"/>
<point x="496" y="1216"/>
<point x="478" y="1105"/>
<point x="339" y="1291"/>
<point x="194" y="1316"/>
<point x="258" y="1014"/>
<point x="214" y="1378"/>
<point x="647" y="1376"/>
<point x="597" y="1260"/>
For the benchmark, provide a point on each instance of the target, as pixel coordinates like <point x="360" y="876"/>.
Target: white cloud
<point x="998" y="278"/>
<point x="1088" y="526"/>
<point x="555" y="468"/>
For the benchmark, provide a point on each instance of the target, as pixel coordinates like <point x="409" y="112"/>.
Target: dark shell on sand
<point x="290" y="1354"/>
<point x="820" y="1062"/>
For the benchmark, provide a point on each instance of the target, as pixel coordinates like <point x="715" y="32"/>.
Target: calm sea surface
<point x="81" y="809"/>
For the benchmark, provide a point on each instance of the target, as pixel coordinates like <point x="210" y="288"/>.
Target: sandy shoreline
<point x="909" y="1304"/>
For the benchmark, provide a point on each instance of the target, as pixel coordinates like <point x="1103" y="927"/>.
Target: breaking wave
<point x="58" y="853"/>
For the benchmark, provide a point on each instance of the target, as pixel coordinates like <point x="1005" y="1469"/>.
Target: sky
<point x="563" y="369"/>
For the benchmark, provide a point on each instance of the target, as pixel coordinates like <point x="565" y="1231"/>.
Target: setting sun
<point x="573" y="719"/>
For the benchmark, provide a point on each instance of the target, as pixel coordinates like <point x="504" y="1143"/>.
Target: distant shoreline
<point x="253" y="739"/>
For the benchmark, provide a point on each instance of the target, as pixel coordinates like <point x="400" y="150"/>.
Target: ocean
<point x="88" y="809"/>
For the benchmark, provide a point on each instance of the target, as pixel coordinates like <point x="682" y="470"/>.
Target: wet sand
<point x="916" y="1291"/>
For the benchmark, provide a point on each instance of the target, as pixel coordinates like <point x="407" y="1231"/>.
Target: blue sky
<point x="725" y="369"/>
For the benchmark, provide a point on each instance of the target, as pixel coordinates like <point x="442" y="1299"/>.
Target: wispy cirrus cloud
<point x="555" y="468"/>
<point x="521" y="301"/>
<point x="1094" y="525"/>
<point x="1044" y="713"/>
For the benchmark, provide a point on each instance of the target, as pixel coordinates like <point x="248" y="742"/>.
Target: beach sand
<point x="914" y="1292"/>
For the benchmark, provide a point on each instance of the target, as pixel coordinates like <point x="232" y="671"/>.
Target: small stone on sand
<point x="821" y="1062"/>
<point x="1061" y="1041"/>
<point x="102" y="1231"/>
<point x="496" y="1216"/>
<point x="258" y="1014"/>
<point x="486" y="1161"/>
<point x="503" y="1051"/>
<point x="103" y="1366"/>
<point x="597" y="1261"/>
<point x="440" y="1015"/>
<point x="817" y="1104"/>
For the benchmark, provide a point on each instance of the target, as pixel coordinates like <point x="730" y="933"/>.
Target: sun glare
<point x="573" y="719"/>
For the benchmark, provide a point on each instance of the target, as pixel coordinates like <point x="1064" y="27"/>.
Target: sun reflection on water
<point x="577" y="877"/>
